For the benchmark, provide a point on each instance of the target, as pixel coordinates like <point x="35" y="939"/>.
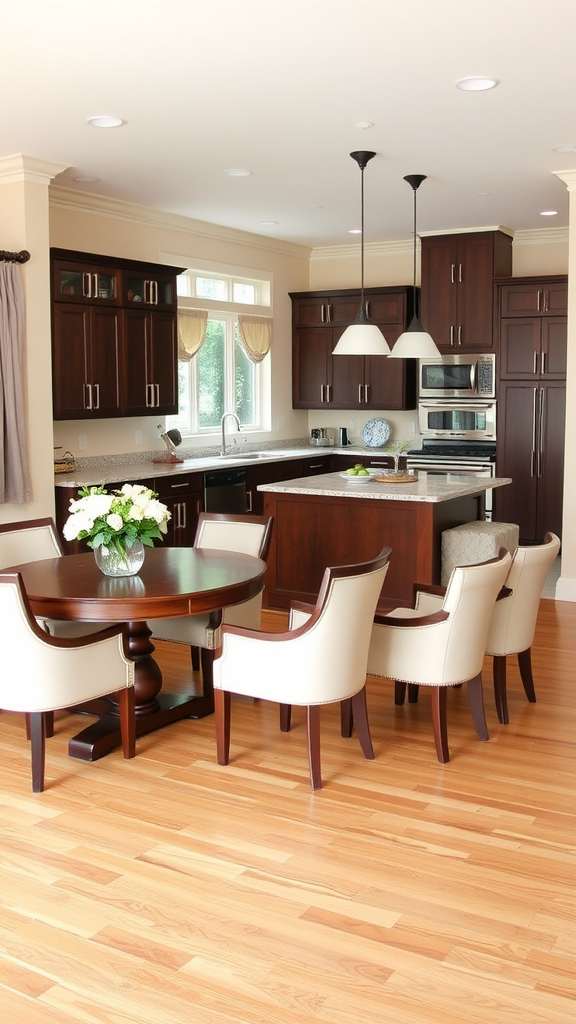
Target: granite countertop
<point x="429" y="487"/>
<point x="121" y="469"/>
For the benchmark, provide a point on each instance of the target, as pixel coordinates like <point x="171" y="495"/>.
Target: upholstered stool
<point x="475" y="542"/>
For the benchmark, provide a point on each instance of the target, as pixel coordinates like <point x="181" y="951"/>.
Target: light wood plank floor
<point x="168" y="890"/>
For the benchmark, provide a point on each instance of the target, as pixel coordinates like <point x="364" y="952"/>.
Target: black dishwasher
<point x="225" y="490"/>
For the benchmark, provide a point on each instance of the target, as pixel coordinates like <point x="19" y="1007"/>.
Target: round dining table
<point x="172" y="582"/>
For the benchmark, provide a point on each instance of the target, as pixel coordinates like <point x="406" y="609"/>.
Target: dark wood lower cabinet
<point x="531" y="428"/>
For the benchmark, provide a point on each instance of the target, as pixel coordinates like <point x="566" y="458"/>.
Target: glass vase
<point x="124" y="562"/>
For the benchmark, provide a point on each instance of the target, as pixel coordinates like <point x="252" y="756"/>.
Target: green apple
<point x="353" y="471"/>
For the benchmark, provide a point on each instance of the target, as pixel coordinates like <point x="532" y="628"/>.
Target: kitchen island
<point x="336" y="520"/>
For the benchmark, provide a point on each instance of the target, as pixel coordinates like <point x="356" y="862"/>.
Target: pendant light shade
<point x="415" y="343"/>
<point x="362" y="338"/>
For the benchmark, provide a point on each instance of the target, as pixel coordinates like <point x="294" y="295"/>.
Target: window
<point x="221" y="378"/>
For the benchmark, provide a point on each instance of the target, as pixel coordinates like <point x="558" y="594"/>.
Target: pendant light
<point x="415" y="343"/>
<point x="362" y="338"/>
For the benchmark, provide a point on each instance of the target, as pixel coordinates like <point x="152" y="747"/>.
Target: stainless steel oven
<point x="455" y="459"/>
<point x="464" y="376"/>
<point x="452" y="419"/>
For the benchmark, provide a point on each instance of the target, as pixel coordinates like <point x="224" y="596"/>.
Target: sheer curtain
<point x="255" y="336"/>
<point x="14" y="476"/>
<point x="191" y="332"/>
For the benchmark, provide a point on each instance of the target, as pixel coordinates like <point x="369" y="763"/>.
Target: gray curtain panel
<point x="14" y="476"/>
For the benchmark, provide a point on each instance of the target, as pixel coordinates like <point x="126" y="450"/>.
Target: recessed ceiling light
<point x="238" y="172"/>
<point x="476" y="83"/>
<point x="354" y="231"/>
<point x="268" y="223"/>
<point x="86" y="178"/>
<point x="548" y="213"/>
<point x="106" y="122"/>
<point x="566" y="147"/>
<point x="364" y="124"/>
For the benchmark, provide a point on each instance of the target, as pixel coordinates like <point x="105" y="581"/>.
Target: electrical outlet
<point x="82" y="442"/>
<point x="138" y="436"/>
<point x="412" y="427"/>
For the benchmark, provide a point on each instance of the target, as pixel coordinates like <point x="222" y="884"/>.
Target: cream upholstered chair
<point x="444" y="647"/>
<point x="513" y="620"/>
<point x="321" y="659"/>
<point x="41" y="673"/>
<point x="30" y="541"/>
<point x="225" y="532"/>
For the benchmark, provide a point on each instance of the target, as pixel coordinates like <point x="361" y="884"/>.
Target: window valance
<point x="255" y="336"/>
<point x="191" y="332"/>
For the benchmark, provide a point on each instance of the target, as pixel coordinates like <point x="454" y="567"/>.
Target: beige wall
<point x="24" y="185"/>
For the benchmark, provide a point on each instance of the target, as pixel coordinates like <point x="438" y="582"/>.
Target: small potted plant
<point x="118" y="526"/>
<point x="396" y="449"/>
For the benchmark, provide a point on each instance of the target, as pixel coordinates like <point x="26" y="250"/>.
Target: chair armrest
<point x="412" y="620"/>
<point x="302" y="606"/>
<point x="427" y="588"/>
<point x="300" y="612"/>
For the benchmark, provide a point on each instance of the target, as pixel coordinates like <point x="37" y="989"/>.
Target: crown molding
<point x="401" y="247"/>
<point x="469" y="231"/>
<point x="18" y="168"/>
<point x="102" y="206"/>
<point x="568" y="177"/>
<point x="541" y="236"/>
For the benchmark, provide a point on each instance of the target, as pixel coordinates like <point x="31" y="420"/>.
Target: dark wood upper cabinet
<point x="322" y="380"/>
<point x="114" y="338"/>
<point x="534" y="297"/>
<point x="532" y="342"/>
<point x="457" y="280"/>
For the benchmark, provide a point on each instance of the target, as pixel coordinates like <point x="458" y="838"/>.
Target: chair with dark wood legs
<point x="444" y="647"/>
<point x="320" y="659"/>
<point x="41" y="673"/>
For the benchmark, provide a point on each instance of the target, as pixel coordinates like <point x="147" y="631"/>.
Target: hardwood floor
<point x="169" y="890"/>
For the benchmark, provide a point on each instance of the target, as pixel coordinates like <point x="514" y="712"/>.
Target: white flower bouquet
<point x="118" y="519"/>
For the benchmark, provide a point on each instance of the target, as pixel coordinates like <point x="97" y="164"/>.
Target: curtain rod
<point x="14" y="257"/>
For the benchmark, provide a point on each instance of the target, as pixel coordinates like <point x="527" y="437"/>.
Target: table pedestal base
<point x="154" y="709"/>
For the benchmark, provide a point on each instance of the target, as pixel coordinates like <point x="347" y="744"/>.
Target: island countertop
<point x="427" y="487"/>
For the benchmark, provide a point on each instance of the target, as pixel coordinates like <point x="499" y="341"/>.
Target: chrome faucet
<point x="222" y="424"/>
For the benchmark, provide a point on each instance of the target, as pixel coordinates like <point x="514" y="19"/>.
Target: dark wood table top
<point x="172" y="582"/>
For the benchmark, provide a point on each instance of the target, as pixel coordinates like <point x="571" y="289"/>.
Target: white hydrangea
<point x="77" y="522"/>
<point x="155" y="510"/>
<point x="115" y="522"/>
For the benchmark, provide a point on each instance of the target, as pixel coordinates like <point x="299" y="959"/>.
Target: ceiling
<point x="278" y="87"/>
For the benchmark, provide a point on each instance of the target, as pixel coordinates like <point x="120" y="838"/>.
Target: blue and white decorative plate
<point x="376" y="433"/>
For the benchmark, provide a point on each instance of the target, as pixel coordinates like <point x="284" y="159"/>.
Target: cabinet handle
<point x="539" y="301"/>
<point x="97" y="402"/>
<point x="248" y="501"/>
<point x="174" y="487"/>
<point x="367" y="308"/>
<point x="328" y="312"/>
<point x="451" y="334"/>
<point x="316" y="465"/>
<point x="87" y="286"/>
<point x="366" y="392"/>
<point x="149" y="396"/>
<point x="328" y="390"/>
<point x="155" y="291"/>
<point x="541" y="432"/>
<point x="323" y="313"/>
<point x="87" y="396"/>
<point x="459" y="273"/>
<point x="360" y="394"/>
<point x="453" y="273"/>
<point x="157" y="390"/>
<point x="183" y="516"/>
<point x="459" y="334"/>
<point x="535" y="371"/>
<point x="543" y="372"/>
<point x="534" y="432"/>
<point x="322" y="386"/>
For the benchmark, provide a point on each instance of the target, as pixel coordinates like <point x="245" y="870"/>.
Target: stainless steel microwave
<point x="458" y="376"/>
<point x="454" y="419"/>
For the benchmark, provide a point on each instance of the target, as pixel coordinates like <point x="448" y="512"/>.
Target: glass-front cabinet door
<point x="152" y="289"/>
<point x="74" y="282"/>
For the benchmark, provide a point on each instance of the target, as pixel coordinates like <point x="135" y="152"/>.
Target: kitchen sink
<point x="239" y="457"/>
